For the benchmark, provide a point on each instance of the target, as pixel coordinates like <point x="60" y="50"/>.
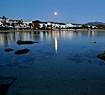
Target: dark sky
<point x="75" y="11"/>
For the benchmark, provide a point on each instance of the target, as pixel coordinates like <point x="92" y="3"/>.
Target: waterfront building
<point x="1" y="21"/>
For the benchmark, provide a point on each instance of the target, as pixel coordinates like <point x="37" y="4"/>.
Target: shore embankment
<point x="1" y="31"/>
<point x="5" y="31"/>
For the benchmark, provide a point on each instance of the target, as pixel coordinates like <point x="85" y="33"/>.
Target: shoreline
<point x="4" y="31"/>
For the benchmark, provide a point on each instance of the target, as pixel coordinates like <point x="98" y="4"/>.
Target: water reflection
<point x="91" y="33"/>
<point x="55" y="42"/>
<point x="10" y="38"/>
<point x="74" y="69"/>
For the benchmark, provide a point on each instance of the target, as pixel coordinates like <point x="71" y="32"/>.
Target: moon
<point x="55" y="13"/>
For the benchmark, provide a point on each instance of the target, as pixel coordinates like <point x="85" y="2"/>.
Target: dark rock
<point x="19" y="42"/>
<point x="22" y="51"/>
<point x="8" y="49"/>
<point x="4" y="86"/>
<point x="94" y="42"/>
<point x="101" y="56"/>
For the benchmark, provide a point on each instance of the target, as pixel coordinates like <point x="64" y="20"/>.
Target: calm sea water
<point x="62" y="63"/>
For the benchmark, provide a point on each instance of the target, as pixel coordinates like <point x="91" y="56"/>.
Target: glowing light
<point x="56" y="43"/>
<point x="55" y="13"/>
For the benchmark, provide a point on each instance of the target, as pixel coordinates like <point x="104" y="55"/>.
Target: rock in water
<point x="19" y="42"/>
<point x="22" y="51"/>
<point x="8" y="49"/>
<point x="101" y="56"/>
<point x="5" y="84"/>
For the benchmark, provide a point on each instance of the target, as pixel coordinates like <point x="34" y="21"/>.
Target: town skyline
<point x="15" y="24"/>
<point x="96" y="21"/>
<point x="80" y="11"/>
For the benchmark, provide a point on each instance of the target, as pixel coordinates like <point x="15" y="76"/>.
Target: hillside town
<point x="12" y="24"/>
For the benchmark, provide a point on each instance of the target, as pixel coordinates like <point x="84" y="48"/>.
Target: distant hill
<point x="96" y="23"/>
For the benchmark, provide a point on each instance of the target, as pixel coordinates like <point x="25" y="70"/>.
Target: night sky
<point x="75" y="11"/>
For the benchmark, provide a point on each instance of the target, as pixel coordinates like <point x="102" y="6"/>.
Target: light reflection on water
<point x="8" y="38"/>
<point x="62" y="63"/>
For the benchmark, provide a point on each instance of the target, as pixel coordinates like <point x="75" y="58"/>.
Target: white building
<point x="76" y="25"/>
<point x="26" y="24"/>
<point x="1" y="21"/>
<point x="69" y="25"/>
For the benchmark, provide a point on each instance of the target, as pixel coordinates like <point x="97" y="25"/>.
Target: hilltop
<point x="96" y="23"/>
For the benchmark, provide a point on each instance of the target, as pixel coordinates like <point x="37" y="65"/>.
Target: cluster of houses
<point x="7" y="24"/>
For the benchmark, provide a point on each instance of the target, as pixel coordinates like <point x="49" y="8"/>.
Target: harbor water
<point x="61" y="63"/>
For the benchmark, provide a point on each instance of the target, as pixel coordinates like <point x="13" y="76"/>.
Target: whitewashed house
<point x="69" y="25"/>
<point x="76" y="25"/>
<point x="15" y="22"/>
<point x="1" y="21"/>
<point x="26" y="24"/>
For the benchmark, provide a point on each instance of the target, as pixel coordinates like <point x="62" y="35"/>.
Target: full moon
<point x="55" y="13"/>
